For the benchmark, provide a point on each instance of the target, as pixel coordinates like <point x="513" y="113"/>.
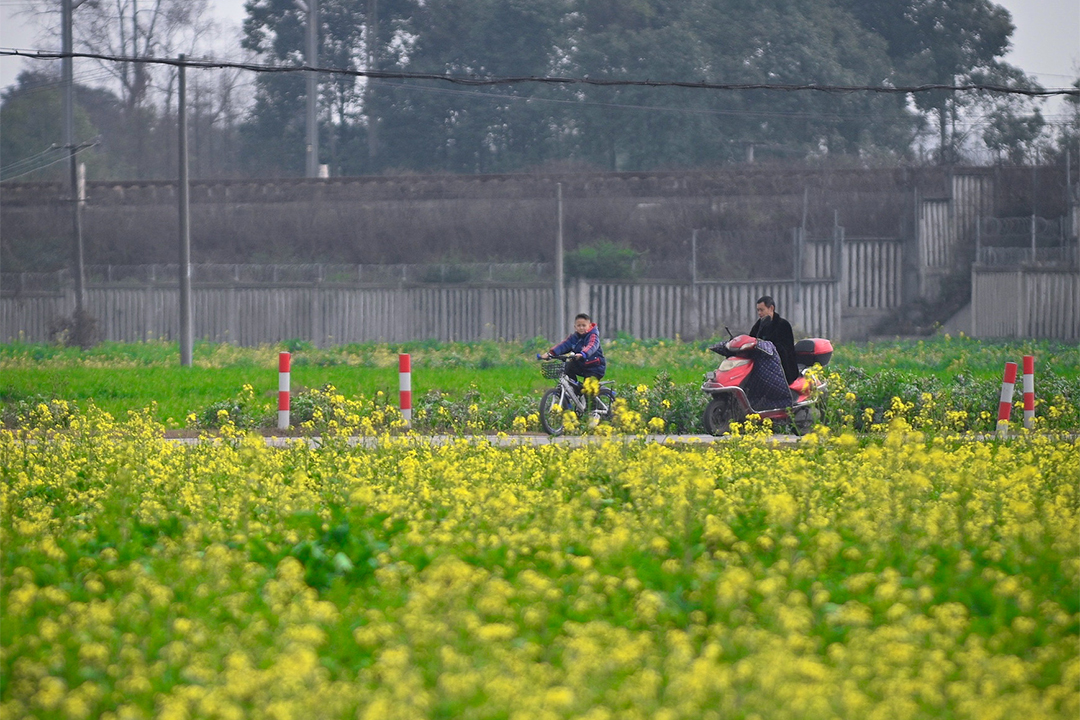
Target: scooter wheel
<point x="719" y="414"/>
<point x="802" y="420"/>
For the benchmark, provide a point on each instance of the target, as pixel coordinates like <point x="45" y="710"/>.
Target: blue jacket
<point x="588" y="345"/>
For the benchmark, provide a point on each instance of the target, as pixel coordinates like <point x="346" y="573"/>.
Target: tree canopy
<point x="372" y="126"/>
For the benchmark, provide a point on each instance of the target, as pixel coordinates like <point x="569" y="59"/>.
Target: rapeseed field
<point x="905" y="574"/>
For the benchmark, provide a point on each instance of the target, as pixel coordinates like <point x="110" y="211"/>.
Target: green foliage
<point x="946" y="42"/>
<point x="486" y="386"/>
<point x="36" y="410"/>
<point x="478" y="410"/>
<point x="447" y="272"/>
<point x="242" y="410"/>
<point x="144" y="578"/>
<point x="343" y="547"/>
<point x="31" y="123"/>
<point x="78" y="330"/>
<point x="296" y="345"/>
<point x="1011" y="136"/>
<point x="406" y="127"/>
<point x="679" y="405"/>
<point x="603" y="259"/>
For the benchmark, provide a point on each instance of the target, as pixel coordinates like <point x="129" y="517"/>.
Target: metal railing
<point x="322" y="273"/>
<point x="309" y="273"/>
<point x="993" y="256"/>
<point x="1027" y="240"/>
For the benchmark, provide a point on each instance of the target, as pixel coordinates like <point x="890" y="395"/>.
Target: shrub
<point x="604" y="259"/>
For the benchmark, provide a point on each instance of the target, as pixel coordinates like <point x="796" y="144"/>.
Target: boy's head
<point x="582" y="323"/>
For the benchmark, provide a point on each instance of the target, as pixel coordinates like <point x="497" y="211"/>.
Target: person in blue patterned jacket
<point x="584" y="343"/>
<point x="766" y="387"/>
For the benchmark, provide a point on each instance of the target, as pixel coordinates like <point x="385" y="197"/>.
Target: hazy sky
<point x="1046" y="43"/>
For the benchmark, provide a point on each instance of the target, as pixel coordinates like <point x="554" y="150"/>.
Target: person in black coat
<point x="770" y="326"/>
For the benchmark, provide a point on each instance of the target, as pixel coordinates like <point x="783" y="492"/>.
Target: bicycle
<point x="569" y="396"/>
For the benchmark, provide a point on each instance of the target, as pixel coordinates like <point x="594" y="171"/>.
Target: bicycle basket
<point x="553" y="369"/>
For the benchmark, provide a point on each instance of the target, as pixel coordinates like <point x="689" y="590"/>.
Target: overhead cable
<point x="77" y="150"/>
<point x="478" y="80"/>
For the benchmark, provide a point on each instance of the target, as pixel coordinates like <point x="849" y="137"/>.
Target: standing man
<point x="770" y="326"/>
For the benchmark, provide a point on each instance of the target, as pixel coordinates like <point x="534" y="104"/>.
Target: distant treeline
<point x="253" y="124"/>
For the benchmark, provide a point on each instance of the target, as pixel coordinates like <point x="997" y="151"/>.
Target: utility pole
<point x="311" y="59"/>
<point x="1034" y="204"/>
<point x="693" y="258"/>
<point x="369" y="87"/>
<point x="78" y="269"/>
<point x="185" y="222"/>
<point x="560" y="285"/>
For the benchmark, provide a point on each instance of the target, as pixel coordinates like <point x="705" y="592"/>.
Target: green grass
<point x="179" y="391"/>
<point x="945" y="357"/>
<point x="118" y="377"/>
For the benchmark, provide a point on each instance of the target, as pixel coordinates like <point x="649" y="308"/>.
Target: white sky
<point x="18" y="31"/>
<point x="1046" y="42"/>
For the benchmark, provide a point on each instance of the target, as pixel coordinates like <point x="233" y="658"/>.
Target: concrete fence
<point x="332" y="315"/>
<point x="704" y="309"/>
<point x="872" y="274"/>
<point x="320" y="314"/>
<point x="1025" y="303"/>
<point x="827" y="301"/>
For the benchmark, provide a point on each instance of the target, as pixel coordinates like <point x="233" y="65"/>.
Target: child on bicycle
<point x="584" y="343"/>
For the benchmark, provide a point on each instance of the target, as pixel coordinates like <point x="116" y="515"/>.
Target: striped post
<point x="283" y="391"/>
<point x="1029" y="392"/>
<point x="1005" y="402"/>
<point x="405" y="386"/>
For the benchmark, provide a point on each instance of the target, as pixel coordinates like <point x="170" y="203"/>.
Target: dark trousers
<point x="577" y="367"/>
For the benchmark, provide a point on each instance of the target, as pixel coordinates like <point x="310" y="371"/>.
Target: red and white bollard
<point x="283" y="391"/>
<point x="405" y="386"/>
<point x="1029" y="392"/>
<point x="1005" y="402"/>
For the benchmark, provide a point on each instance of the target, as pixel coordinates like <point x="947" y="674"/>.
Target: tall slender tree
<point x="941" y="42"/>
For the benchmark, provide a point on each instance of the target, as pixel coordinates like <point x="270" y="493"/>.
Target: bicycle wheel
<point x="604" y="403"/>
<point x="551" y="419"/>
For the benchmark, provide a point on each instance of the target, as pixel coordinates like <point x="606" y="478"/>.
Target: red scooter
<point x="730" y="403"/>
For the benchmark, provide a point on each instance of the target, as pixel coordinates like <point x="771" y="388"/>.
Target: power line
<point x="623" y="106"/>
<point x="475" y="80"/>
<point x="823" y="115"/>
<point x="20" y="164"/>
<point x="81" y="78"/>
<point x="77" y="150"/>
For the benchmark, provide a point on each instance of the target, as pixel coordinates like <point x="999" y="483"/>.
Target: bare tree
<point x="128" y="28"/>
<point x="134" y="29"/>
